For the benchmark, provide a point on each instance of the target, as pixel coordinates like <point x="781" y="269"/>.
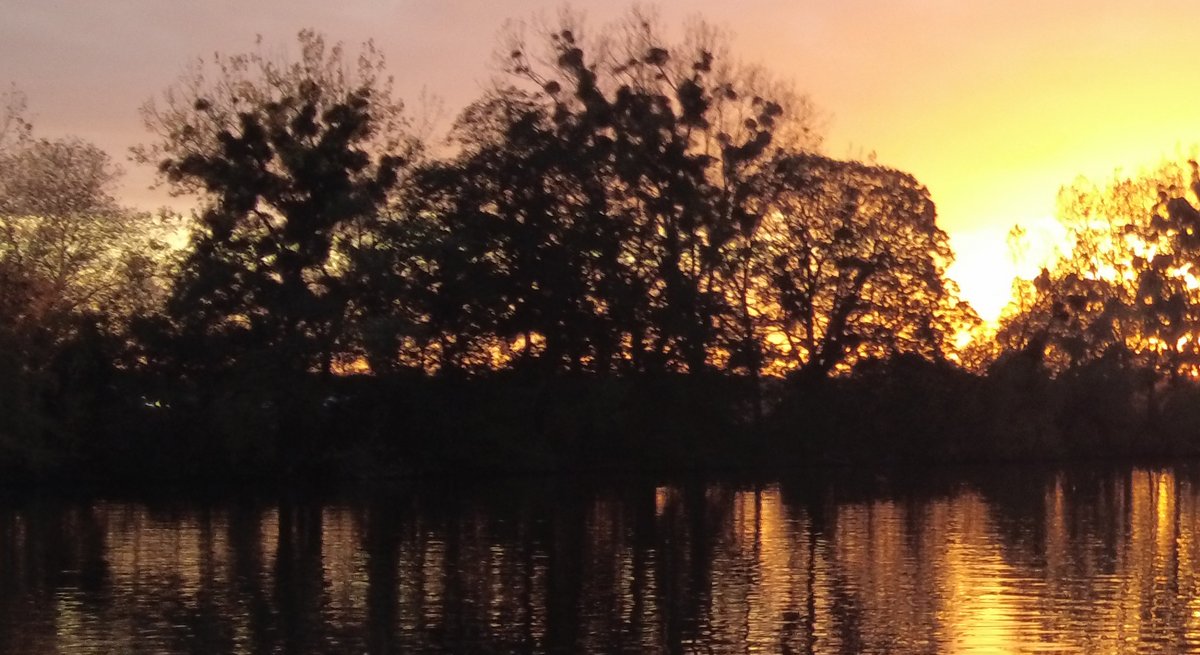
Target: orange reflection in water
<point x="1098" y="568"/>
<point x="1083" y="561"/>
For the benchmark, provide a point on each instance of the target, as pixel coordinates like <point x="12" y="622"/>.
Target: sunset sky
<point x="992" y="105"/>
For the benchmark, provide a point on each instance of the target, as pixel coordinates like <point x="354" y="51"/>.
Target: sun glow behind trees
<point x="785" y="343"/>
<point x="1126" y="281"/>
<point x="991" y="105"/>
<point x="620" y="208"/>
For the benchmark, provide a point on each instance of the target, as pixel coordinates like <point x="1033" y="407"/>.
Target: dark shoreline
<point x="816" y="484"/>
<point x="903" y="414"/>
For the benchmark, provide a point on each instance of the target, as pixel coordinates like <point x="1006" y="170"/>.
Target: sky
<point x="993" y="105"/>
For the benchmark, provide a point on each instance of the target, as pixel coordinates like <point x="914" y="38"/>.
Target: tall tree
<point x="75" y="268"/>
<point x="629" y="203"/>
<point x="287" y="159"/>
<point x="611" y="187"/>
<point x="854" y="266"/>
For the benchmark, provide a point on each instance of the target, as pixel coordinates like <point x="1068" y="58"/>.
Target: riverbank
<point x="360" y="429"/>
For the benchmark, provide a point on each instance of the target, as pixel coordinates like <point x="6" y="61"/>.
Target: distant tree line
<point x="625" y="234"/>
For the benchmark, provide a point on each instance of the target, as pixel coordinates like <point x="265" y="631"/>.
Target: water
<point x="1084" y="560"/>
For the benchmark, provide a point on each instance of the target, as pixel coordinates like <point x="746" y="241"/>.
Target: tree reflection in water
<point x="1085" y="560"/>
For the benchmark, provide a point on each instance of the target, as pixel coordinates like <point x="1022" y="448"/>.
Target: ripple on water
<point x="1072" y="561"/>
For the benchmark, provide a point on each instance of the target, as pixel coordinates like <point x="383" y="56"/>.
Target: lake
<point x="1096" y="559"/>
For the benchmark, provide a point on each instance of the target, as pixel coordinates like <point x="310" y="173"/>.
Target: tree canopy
<point x="624" y="213"/>
<point x="75" y="266"/>
<point x="620" y="208"/>
<point x="633" y="204"/>
<point x="1127" y="282"/>
<point x="287" y="159"/>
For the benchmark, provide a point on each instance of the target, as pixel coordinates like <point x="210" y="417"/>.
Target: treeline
<point x="628" y="252"/>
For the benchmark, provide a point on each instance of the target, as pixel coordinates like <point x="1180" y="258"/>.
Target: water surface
<point x="1091" y="560"/>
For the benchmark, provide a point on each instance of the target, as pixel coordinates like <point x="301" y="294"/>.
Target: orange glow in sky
<point x="993" y="106"/>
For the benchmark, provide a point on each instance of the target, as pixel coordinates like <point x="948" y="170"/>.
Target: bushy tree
<point x="75" y="269"/>
<point x="854" y="267"/>
<point x="288" y="160"/>
<point x="62" y="229"/>
<point x="1126" y="282"/>
<point x="629" y="203"/>
<point x="599" y="198"/>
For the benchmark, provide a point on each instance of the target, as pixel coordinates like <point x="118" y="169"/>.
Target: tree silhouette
<point x="627" y="214"/>
<point x="609" y="205"/>
<point x="75" y="267"/>
<point x="1125" y="284"/>
<point x="855" y="267"/>
<point x="287" y="159"/>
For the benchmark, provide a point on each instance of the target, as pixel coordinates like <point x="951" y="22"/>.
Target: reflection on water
<point x="1061" y="561"/>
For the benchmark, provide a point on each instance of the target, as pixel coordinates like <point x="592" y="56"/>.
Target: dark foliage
<point x="633" y="257"/>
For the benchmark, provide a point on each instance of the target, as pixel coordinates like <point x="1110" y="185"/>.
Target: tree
<point x="289" y="160"/>
<point x="854" y="267"/>
<point x="632" y="204"/>
<point x="602" y="198"/>
<point x="61" y="226"/>
<point x="1126" y="282"/>
<point x="75" y="268"/>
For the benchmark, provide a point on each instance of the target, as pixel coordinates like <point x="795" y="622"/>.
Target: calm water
<point x="1090" y="561"/>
